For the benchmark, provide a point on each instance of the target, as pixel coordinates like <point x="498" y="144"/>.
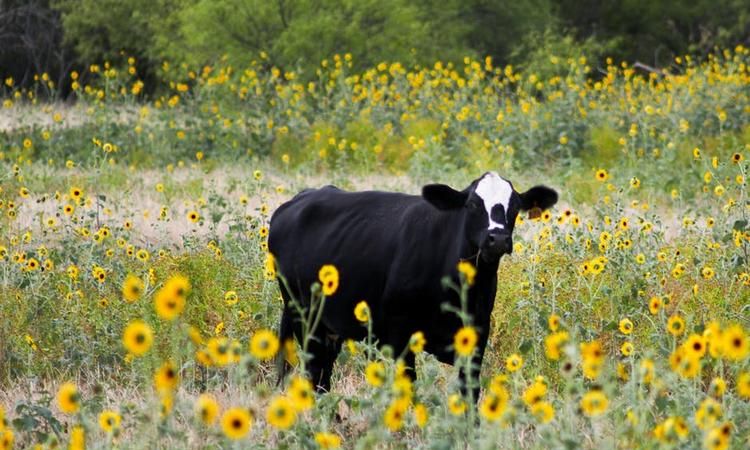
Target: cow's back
<point x="363" y="234"/>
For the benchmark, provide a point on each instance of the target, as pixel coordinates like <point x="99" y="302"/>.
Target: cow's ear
<point x="442" y="196"/>
<point x="540" y="197"/>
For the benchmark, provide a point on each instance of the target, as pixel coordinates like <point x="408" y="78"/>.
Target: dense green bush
<point x="298" y="34"/>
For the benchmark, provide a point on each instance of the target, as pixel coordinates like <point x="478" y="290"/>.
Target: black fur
<point x="391" y="250"/>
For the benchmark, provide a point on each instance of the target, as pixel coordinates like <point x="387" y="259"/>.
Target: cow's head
<point x="490" y="206"/>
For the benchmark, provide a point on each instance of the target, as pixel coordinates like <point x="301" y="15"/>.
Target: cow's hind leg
<point x="324" y="349"/>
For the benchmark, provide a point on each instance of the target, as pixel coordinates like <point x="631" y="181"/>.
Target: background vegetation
<point x="53" y="35"/>
<point x="141" y="204"/>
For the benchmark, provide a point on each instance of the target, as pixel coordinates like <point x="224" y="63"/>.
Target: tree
<point x="30" y="41"/>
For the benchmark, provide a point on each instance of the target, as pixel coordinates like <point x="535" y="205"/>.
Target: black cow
<point x="393" y="250"/>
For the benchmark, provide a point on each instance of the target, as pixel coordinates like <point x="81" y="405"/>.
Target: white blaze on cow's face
<point x="494" y="190"/>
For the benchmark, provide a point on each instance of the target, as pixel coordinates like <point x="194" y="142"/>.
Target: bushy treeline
<point x="300" y="33"/>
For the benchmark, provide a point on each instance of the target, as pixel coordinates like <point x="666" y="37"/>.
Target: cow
<point x="393" y="250"/>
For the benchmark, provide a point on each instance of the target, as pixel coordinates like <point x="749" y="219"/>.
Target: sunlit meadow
<point x="139" y="304"/>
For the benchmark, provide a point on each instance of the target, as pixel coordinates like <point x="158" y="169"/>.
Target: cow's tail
<point x="286" y="338"/>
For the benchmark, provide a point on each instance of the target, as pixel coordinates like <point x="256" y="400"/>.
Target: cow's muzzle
<point x="498" y="243"/>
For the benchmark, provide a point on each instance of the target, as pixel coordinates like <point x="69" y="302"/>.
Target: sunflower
<point x="417" y="342"/>
<point x="647" y="371"/>
<point x="743" y="385"/>
<point x="270" y="267"/>
<point x="654" y="305"/>
<point x="236" y="423"/>
<point x="716" y="440"/>
<point x="77" y="438"/>
<point x="534" y="393"/>
<point x="301" y="393"/>
<point x="203" y="357"/>
<point x="493" y="405"/>
<point x="32" y="264"/>
<point x="456" y="404"/>
<point x="143" y="255"/>
<point x="626" y="348"/>
<point x="395" y="414"/>
<point x="264" y="344"/>
<point x="670" y="428"/>
<point x="468" y="272"/>
<point x="626" y="326"/>
<point x="76" y="194"/>
<point x="137" y="337"/>
<point x="206" y="409"/>
<point x="132" y="288"/>
<point x="109" y="421"/>
<point x="281" y="413"/>
<point x="707" y="272"/>
<point x="695" y="346"/>
<point x="169" y="301"/>
<point x="168" y="307"/>
<point x="7" y="438"/>
<point x="327" y="441"/>
<point x="602" y="175"/>
<point x="717" y="387"/>
<point x="231" y="298"/>
<point x="420" y="415"/>
<point x="736" y="345"/>
<point x="713" y="334"/>
<point x="219" y="351"/>
<point x="193" y="216"/>
<point x="592" y="351"/>
<point x="166" y="377"/>
<point x="375" y="373"/>
<point x="329" y="279"/>
<point x="684" y="364"/>
<point x="402" y="386"/>
<point x="465" y="340"/>
<point x="676" y="325"/>
<point x="362" y="312"/>
<point x="68" y="398"/>
<point x="708" y="414"/>
<point x="594" y="403"/>
<point x="290" y="352"/>
<point x="513" y="362"/>
<point x="553" y="322"/>
<point x="177" y="286"/>
<point x="553" y="344"/>
<point x="543" y="411"/>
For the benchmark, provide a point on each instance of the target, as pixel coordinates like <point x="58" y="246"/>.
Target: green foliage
<point x="302" y="33"/>
<point x="654" y="31"/>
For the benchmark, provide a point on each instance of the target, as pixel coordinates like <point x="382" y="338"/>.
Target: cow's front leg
<point x="324" y="349"/>
<point x="398" y="337"/>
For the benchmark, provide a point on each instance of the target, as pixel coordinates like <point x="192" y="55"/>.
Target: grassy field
<point x="139" y="307"/>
